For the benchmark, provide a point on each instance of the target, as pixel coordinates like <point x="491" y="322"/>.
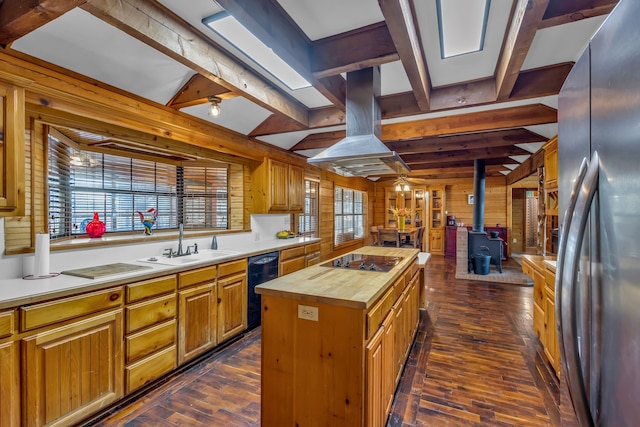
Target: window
<point x="349" y="215"/>
<point x="308" y="221"/>
<point x="121" y="188"/>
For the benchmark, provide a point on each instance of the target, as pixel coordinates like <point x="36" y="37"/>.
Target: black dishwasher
<point x="261" y="269"/>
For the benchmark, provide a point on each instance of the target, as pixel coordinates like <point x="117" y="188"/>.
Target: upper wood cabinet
<point x="551" y="163"/>
<point x="12" y="128"/>
<point x="277" y="187"/>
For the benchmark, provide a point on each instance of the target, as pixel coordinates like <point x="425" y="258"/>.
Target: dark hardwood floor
<point x="475" y="362"/>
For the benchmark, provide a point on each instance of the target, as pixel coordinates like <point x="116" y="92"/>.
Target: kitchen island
<point x="335" y="339"/>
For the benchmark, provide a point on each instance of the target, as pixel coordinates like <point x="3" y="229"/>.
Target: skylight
<point x="235" y="33"/>
<point x="462" y="26"/>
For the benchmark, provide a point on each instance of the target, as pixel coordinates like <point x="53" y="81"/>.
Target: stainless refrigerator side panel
<point x="574" y="135"/>
<point x="615" y="77"/>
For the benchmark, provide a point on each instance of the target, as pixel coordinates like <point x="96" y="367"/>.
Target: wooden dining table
<point x="406" y="234"/>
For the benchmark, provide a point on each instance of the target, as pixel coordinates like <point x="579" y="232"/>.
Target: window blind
<point x="308" y="220"/>
<point x="117" y="187"/>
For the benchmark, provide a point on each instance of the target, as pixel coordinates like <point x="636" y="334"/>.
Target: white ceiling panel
<point x="98" y="50"/>
<point x="320" y="19"/>
<point x="393" y="79"/>
<point x="238" y="114"/>
<point x="547" y="48"/>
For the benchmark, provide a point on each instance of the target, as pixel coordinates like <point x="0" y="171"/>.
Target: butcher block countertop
<point x="339" y="286"/>
<point x="539" y="261"/>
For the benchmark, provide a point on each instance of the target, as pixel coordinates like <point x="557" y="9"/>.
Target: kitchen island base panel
<point x="305" y="361"/>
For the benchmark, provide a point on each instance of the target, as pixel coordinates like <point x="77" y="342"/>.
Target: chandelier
<point x="402" y="184"/>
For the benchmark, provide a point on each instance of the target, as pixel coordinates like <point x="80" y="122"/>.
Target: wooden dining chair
<point x="389" y="237"/>
<point x="374" y="236"/>
<point x="417" y="242"/>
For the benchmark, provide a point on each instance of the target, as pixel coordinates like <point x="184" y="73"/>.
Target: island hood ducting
<point x="361" y="153"/>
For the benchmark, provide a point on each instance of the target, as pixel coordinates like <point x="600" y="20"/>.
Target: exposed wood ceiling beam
<point x="20" y="17"/>
<point x="525" y="21"/>
<point x="489" y="120"/>
<point x="527" y="167"/>
<point x="461" y="155"/>
<point x="565" y="11"/>
<point x="469" y="141"/>
<point x="400" y="18"/>
<point x="416" y="168"/>
<point x="196" y="91"/>
<point x="433" y="143"/>
<point x="502" y="118"/>
<point x="464" y="170"/>
<point x="352" y="50"/>
<point x="530" y="84"/>
<point x="269" y="23"/>
<point x="160" y="29"/>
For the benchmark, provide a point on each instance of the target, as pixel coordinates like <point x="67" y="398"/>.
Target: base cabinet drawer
<point x="146" y="370"/>
<point x="146" y="342"/>
<point x="144" y="314"/>
<point x="292" y="265"/>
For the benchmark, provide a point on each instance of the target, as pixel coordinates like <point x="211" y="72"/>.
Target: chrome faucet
<point x="180" y="236"/>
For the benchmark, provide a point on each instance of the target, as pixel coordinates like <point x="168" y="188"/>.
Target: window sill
<point x="123" y="239"/>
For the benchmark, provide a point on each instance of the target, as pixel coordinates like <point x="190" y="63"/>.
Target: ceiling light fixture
<point x="402" y="184"/>
<point x="214" y="107"/>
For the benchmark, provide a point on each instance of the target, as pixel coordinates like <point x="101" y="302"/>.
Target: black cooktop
<point x="364" y="262"/>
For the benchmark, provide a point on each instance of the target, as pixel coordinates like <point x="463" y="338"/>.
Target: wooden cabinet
<point x="374" y="380"/>
<point x="12" y="163"/>
<point x="550" y="195"/>
<point x="72" y="371"/>
<point x="551" y="348"/>
<point x="197" y="312"/>
<point x="436" y="241"/>
<point x="9" y="371"/>
<point x="296" y="189"/>
<point x="232" y="299"/>
<point x="150" y="330"/>
<point x="312" y="254"/>
<point x="292" y="259"/>
<point x="544" y="315"/>
<point x="277" y="187"/>
<point x="414" y="200"/>
<point x="436" y="219"/>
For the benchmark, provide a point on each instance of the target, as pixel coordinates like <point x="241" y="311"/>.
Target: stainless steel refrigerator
<point x="598" y="270"/>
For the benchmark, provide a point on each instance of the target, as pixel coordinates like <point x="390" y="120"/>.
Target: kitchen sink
<point x="201" y="256"/>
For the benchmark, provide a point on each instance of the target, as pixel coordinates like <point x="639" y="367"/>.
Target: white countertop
<point x="14" y="292"/>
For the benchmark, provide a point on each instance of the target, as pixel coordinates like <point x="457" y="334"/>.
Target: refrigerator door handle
<point x="573" y="238"/>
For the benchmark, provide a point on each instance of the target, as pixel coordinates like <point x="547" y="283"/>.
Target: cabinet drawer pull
<point x="114" y="297"/>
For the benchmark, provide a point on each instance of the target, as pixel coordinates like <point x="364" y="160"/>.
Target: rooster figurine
<point x="148" y="220"/>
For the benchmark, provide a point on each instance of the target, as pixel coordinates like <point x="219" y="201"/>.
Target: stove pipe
<point x="478" y="195"/>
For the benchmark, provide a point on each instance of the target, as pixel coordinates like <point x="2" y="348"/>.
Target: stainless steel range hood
<point x="361" y="153"/>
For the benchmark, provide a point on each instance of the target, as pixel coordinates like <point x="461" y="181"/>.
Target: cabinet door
<point x="12" y="162"/>
<point x="72" y="371"/>
<point x="296" y="189"/>
<point x="374" y="381"/>
<point x="549" y="327"/>
<point x="9" y="385"/>
<point x="388" y="362"/>
<point x="436" y="242"/>
<point x="279" y="186"/>
<point x="232" y="306"/>
<point x="196" y="321"/>
<point x="551" y="347"/>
